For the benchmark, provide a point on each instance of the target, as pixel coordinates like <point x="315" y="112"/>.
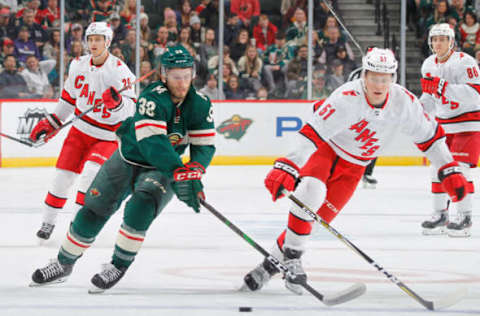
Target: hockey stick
<point x="128" y="86"/>
<point x="344" y="27"/>
<point x="18" y="140"/>
<point x="444" y="302"/>
<point x="333" y="299"/>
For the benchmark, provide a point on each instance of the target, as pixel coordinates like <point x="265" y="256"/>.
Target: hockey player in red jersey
<point x="345" y="132"/>
<point x="451" y="92"/>
<point x="93" y="81"/>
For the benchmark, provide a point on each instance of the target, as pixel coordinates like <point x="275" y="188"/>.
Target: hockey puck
<point x="244" y="309"/>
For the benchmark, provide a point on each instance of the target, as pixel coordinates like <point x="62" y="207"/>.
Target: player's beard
<point x="178" y="94"/>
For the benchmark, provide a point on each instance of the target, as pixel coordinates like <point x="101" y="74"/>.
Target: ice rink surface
<point x="192" y="264"/>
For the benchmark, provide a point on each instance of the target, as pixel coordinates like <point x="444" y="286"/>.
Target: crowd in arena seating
<point x="265" y="52"/>
<point x="462" y="15"/>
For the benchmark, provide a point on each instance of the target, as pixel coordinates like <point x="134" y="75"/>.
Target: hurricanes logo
<point x="175" y="139"/>
<point x="28" y="121"/>
<point x="94" y="192"/>
<point x="235" y="127"/>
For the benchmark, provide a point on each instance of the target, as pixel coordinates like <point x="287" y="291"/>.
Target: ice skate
<point x="107" y="278"/>
<point x="437" y="225"/>
<point x="45" y="231"/>
<point x="258" y="277"/>
<point x="54" y="272"/>
<point x="460" y="227"/>
<point x="369" y="182"/>
<point x="297" y="275"/>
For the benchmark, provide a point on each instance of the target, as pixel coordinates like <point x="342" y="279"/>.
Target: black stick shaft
<point x="391" y="277"/>
<point x="259" y="248"/>
<point x="18" y="140"/>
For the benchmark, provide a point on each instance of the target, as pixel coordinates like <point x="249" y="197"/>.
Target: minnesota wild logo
<point x="94" y="192"/>
<point x="175" y="138"/>
<point x="235" y="127"/>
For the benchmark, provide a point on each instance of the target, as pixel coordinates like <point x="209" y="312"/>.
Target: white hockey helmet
<point x="380" y="60"/>
<point x="441" y="29"/>
<point x="100" y="28"/>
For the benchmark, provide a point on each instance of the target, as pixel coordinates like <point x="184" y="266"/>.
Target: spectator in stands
<point x="160" y="42"/>
<point x="201" y="6"/>
<point x="154" y="9"/>
<point x="454" y="25"/>
<point x="117" y="52"/>
<point x="77" y="49"/>
<point x="245" y="10"/>
<point x="129" y="12"/>
<point x="184" y="13"/>
<point x="128" y="49"/>
<point x="197" y="32"/>
<point x="37" y="34"/>
<point x="211" y="89"/>
<point x="33" y="5"/>
<point x="348" y="64"/>
<point x="440" y="14"/>
<point x="6" y="30"/>
<point x="232" y="27"/>
<point x="250" y="68"/>
<point x="213" y="62"/>
<point x="145" y="68"/>
<point x="77" y="10"/>
<point x="470" y="33"/>
<point x="319" y="89"/>
<point x="12" y="85"/>
<point x="262" y="94"/>
<point x="320" y="14"/>
<point x="145" y="32"/>
<point x="24" y="46"/>
<point x="7" y="49"/>
<point x="297" y="32"/>
<point x="264" y="33"/>
<point x="233" y="91"/>
<point x="101" y="9"/>
<point x="275" y="61"/>
<point x="208" y="49"/>
<point x="332" y="45"/>
<point x="35" y="75"/>
<point x="118" y="28"/>
<point x="52" y="47"/>
<point x="337" y="76"/>
<point x="288" y="8"/>
<point x="184" y="37"/>
<point x="210" y="15"/>
<point x="458" y="6"/>
<point x="170" y="22"/>
<point x="50" y="16"/>
<point x="297" y="73"/>
<point x="330" y="22"/>
<point x="240" y="45"/>
<point x="75" y="35"/>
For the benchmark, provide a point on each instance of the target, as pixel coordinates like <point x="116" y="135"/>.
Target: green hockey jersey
<point x="160" y="131"/>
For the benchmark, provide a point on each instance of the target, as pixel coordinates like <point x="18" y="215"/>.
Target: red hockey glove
<point x="48" y="127"/>
<point x="434" y="85"/>
<point x="111" y="98"/>
<point x="187" y="185"/>
<point x="284" y="175"/>
<point x="453" y="181"/>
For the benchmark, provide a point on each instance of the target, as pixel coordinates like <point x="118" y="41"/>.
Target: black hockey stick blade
<point x="18" y="140"/>
<point x="346" y="295"/>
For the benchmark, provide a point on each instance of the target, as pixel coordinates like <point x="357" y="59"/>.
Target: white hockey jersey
<point x="358" y="132"/>
<point x="84" y="88"/>
<point x="458" y="110"/>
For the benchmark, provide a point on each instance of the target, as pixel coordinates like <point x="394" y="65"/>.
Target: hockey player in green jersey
<point x="170" y="116"/>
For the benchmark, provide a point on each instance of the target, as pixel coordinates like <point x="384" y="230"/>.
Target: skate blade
<point x="244" y="288"/>
<point x="41" y="241"/>
<point x="95" y="290"/>
<point x="367" y="185"/>
<point x="434" y="232"/>
<point x="35" y="284"/>
<point x="459" y="234"/>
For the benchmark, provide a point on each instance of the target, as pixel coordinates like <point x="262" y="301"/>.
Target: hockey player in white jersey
<point x="451" y="91"/>
<point x="93" y="81"/>
<point x="346" y="131"/>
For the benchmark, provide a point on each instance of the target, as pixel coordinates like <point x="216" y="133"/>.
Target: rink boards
<point x="248" y="132"/>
